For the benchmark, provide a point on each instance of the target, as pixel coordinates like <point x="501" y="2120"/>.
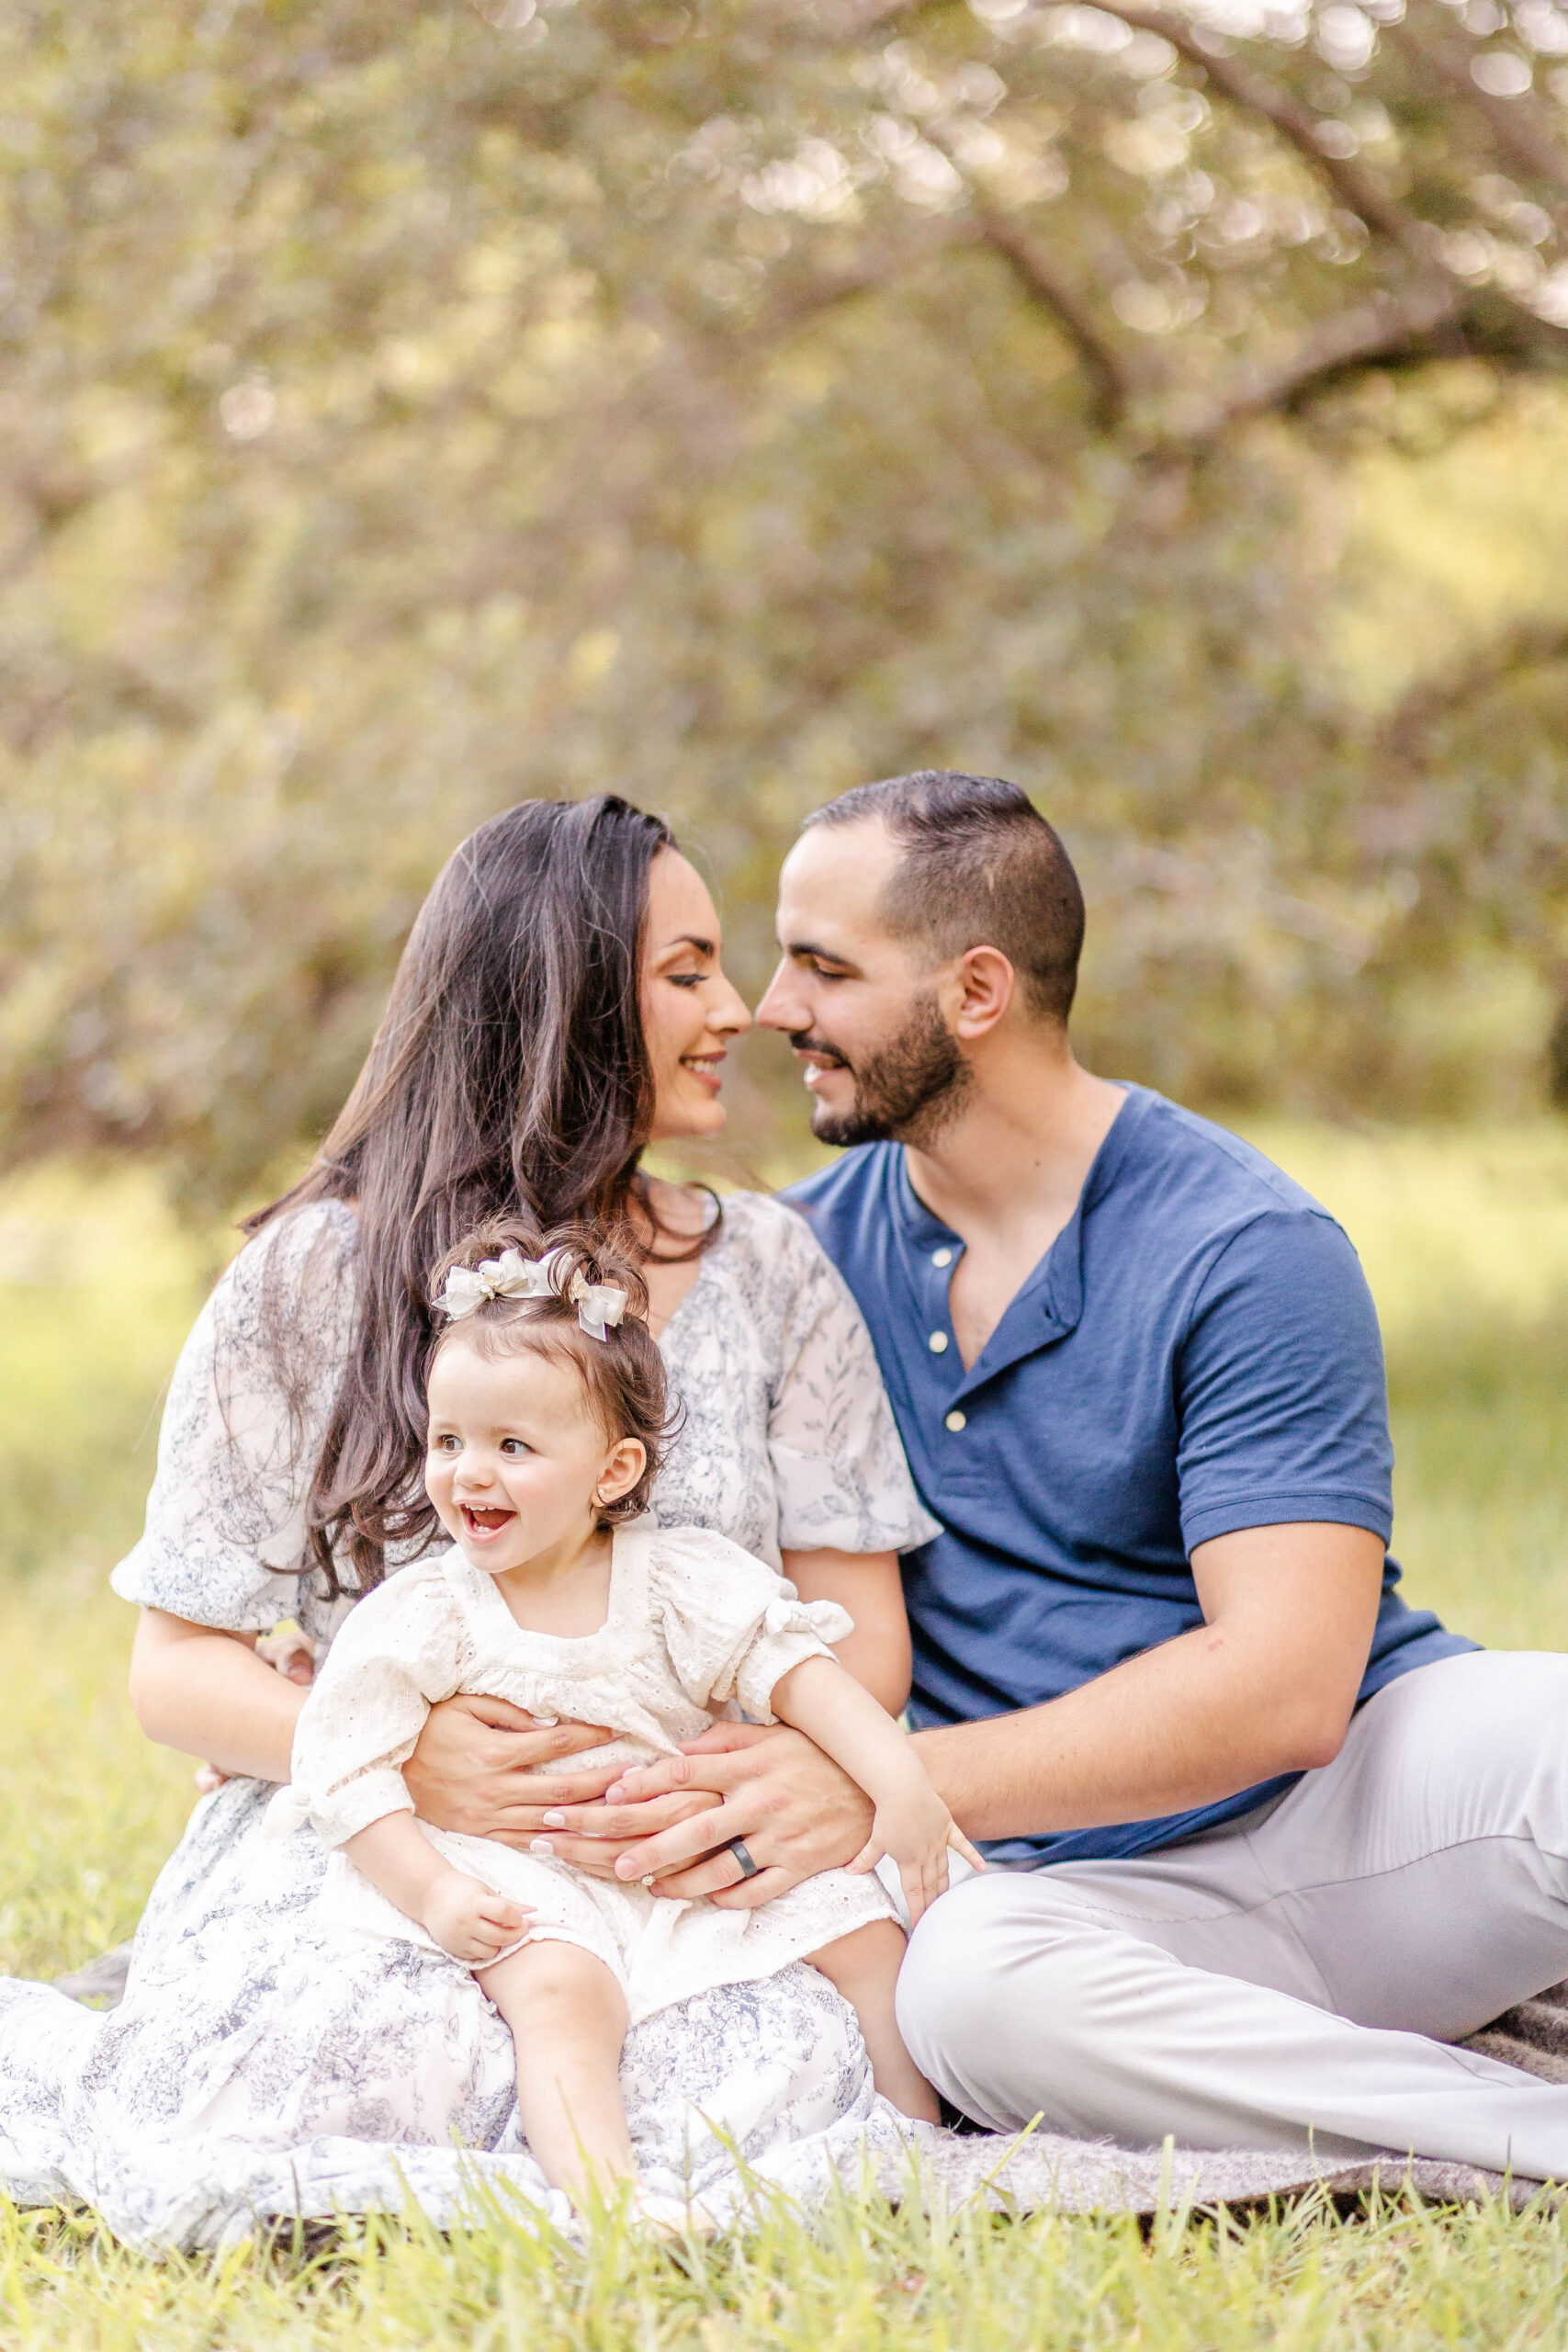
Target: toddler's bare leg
<point x="568" y="2016"/>
<point x="864" y="1967"/>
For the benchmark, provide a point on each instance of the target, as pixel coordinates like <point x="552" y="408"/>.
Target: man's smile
<point x="817" y="1057"/>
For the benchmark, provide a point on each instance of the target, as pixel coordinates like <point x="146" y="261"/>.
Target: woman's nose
<point x="729" y="1016"/>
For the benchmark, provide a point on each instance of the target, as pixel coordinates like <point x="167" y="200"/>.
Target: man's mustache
<point x="818" y="1048"/>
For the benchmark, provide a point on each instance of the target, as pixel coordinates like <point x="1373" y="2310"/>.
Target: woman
<point x="560" y="1005"/>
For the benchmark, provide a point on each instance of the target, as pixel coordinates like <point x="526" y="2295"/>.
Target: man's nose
<point x="781" y="1007"/>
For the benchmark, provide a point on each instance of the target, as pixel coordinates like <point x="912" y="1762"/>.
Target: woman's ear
<point x="623" y="1465"/>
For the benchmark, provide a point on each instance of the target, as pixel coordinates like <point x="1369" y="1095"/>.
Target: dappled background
<point x="404" y="410"/>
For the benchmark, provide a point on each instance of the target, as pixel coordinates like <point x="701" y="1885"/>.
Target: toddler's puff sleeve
<point x="397" y="1654"/>
<point x="732" y="1626"/>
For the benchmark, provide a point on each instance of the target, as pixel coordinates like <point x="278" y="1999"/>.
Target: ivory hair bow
<point x="511" y="1275"/>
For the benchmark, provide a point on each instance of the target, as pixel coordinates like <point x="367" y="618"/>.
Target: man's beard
<point x="905" y="1093"/>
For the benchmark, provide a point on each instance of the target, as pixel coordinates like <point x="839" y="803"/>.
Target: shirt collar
<point x="1049" y="1303"/>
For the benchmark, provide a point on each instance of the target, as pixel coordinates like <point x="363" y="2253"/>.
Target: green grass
<point x="1465" y="1240"/>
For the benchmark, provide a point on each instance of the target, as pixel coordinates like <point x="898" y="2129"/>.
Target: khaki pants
<point x="1292" y="1979"/>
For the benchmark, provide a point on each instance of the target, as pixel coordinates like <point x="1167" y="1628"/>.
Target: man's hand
<point x="797" y="1813"/>
<point x="475" y="1769"/>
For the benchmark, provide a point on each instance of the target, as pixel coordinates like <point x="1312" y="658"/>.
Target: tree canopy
<point x="402" y="412"/>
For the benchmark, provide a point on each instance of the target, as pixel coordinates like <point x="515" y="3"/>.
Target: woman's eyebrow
<point x="690" y="939"/>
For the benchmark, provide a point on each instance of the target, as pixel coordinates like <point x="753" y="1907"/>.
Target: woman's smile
<point x="704" y="1067"/>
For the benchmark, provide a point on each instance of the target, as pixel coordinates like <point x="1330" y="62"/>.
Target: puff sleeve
<point x="248" y="1406"/>
<point x="842" y="1476"/>
<point x="732" y="1628"/>
<point x="399" y="1652"/>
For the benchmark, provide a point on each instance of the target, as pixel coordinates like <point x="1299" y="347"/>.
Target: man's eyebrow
<point x="799" y="947"/>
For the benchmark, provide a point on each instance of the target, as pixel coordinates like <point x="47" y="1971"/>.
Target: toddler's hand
<point x="918" y="1830"/>
<point x="469" y="1920"/>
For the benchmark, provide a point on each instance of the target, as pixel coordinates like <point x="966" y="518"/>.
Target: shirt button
<point x="938" y="1344"/>
<point x="957" y="1421"/>
<point x="941" y="1257"/>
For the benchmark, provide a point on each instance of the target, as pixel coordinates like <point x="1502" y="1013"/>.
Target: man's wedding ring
<point x="738" y="1847"/>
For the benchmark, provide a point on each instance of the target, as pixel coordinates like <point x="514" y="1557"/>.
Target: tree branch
<point x="1114" y="379"/>
<point x="1363" y="194"/>
<point x="1535" y="645"/>
<point x="1516" y="123"/>
<point x="1357" y="188"/>
<point x="794" y="304"/>
<point x="1388" y="328"/>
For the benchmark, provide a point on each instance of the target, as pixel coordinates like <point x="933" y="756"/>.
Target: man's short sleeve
<point x="1281" y="1393"/>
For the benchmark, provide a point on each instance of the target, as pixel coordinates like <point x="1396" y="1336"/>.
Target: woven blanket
<point x="1045" y="2171"/>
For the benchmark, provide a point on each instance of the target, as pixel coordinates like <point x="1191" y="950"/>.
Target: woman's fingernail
<point x="543" y="1846"/>
<point x="554" y="1819"/>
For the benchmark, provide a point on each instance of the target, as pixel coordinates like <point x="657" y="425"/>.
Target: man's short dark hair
<point x="981" y="868"/>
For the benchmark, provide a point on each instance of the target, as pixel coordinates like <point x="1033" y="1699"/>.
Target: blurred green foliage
<point x="402" y="413"/>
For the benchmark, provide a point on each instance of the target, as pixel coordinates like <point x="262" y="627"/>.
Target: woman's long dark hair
<point x="510" y="1074"/>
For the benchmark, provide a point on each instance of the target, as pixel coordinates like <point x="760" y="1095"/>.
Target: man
<point x="1267" y="1837"/>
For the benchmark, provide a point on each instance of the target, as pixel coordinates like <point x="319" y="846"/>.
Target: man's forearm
<point x="1182" y="1725"/>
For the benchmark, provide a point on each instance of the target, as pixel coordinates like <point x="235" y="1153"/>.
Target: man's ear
<point x="977" y="992"/>
<point x="623" y="1465"/>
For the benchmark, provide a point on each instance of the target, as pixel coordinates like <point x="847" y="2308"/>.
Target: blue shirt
<point x="1197" y="1351"/>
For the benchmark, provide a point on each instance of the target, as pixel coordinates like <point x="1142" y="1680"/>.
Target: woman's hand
<point x="475" y="1769"/>
<point x="796" y="1812"/>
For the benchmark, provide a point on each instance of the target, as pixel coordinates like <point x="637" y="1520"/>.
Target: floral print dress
<point x="262" y="2065"/>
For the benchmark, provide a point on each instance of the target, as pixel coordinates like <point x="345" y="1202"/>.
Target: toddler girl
<point x="548" y="1415"/>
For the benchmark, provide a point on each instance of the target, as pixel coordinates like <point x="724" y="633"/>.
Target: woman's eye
<point x="687" y="979"/>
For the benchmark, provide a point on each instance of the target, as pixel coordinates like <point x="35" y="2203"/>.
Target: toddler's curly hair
<point x="623" y="1375"/>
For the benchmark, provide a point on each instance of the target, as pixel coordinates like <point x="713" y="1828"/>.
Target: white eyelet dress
<point x="694" y="1625"/>
<point x="265" y="2063"/>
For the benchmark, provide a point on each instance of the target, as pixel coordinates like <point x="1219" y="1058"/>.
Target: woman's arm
<point x="868" y="1585"/>
<point x="207" y="1693"/>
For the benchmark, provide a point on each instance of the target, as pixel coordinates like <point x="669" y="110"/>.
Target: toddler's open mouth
<point x="482" y="1524"/>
